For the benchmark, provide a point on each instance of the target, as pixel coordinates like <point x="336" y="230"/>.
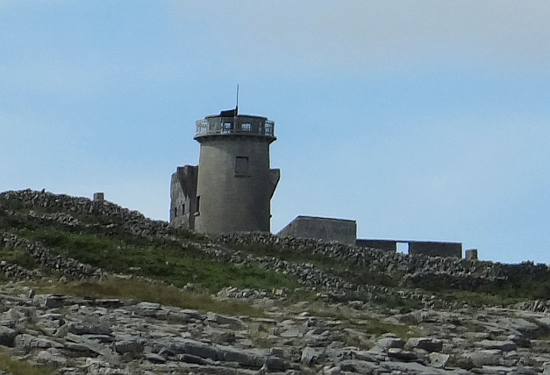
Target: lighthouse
<point x="231" y="188"/>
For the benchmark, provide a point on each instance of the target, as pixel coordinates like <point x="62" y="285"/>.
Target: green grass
<point x="260" y="335"/>
<point x="379" y="327"/>
<point x="478" y="299"/>
<point x="164" y="260"/>
<point x="360" y="321"/>
<point x="17" y="256"/>
<point x="16" y="367"/>
<point x="346" y="270"/>
<point x="11" y="204"/>
<point x="148" y="291"/>
<point x="179" y="262"/>
<point x="520" y="284"/>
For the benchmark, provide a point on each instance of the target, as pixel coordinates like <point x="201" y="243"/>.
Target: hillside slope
<point x="94" y="288"/>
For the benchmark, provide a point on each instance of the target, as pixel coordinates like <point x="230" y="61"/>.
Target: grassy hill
<point x="121" y="241"/>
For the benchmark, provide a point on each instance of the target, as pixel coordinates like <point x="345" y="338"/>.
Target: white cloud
<point x="356" y="34"/>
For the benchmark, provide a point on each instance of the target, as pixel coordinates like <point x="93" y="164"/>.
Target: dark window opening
<point x="198" y="204"/>
<point x="227" y="127"/>
<point x="183" y="209"/>
<point x="175" y="212"/>
<point x="241" y="166"/>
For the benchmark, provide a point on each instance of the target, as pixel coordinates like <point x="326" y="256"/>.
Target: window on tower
<point x="241" y="166"/>
<point x="227" y="127"/>
<point x="197" y="210"/>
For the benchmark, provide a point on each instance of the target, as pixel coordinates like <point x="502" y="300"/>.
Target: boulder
<point x="505" y="346"/>
<point x="401" y="354"/>
<point x="482" y="358"/>
<point x="51" y="357"/>
<point x="428" y="344"/>
<point x="438" y="360"/>
<point x="386" y="343"/>
<point x="7" y="336"/>
<point x="87" y="328"/>
<point x="233" y="322"/>
<point x="357" y="366"/>
<point x="129" y="345"/>
<point x="309" y="356"/>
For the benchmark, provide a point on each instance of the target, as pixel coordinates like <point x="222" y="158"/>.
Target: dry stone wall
<point x="46" y="259"/>
<point x="414" y="270"/>
<point x="409" y="270"/>
<point x="63" y="205"/>
<point x="14" y="272"/>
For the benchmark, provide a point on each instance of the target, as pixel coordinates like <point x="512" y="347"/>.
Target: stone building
<point x="322" y="228"/>
<point x="345" y="231"/>
<point x="231" y="188"/>
<point x="183" y="197"/>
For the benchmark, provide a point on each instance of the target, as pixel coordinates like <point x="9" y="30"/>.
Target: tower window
<point x="175" y="212"/>
<point x="246" y="127"/>
<point x="227" y="127"/>
<point x="268" y="128"/>
<point x="183" y="209"/>
<point x="241" y="166"/>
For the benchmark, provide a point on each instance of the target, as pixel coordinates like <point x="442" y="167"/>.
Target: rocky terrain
<point x="92" y="288"/>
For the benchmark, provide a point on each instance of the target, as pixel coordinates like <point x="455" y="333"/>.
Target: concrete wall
<point x="429" y="248"/>
<point x="440" y="249"/>
<point x="388" y="245"/>
<point x="322" y="228"/>
<point x="183" y="197"/>
<point x="471" y="254"/>
<point x="234" y="198"/>
<point x="99" y="197"/>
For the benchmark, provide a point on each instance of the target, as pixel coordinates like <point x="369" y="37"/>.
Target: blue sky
<point x="421" y="120"/>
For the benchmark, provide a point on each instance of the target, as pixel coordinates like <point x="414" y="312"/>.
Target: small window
<point x="183" y="209"/>
<point x="241" y="166"/>
<point x="227" y="126"/>
<point x="403" y="247"/>
<point x="246" y="127"/>
<point x="175" y="212"/>
<point x="268" y="128"/>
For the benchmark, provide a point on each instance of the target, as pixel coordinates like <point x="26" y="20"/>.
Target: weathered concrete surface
<point x="99" y="197"/>
<point x="471" y="254"/>
<point x="428" y="248"/>
<point x="235" y="183"/>
<point x="183" y="197"/>
<point x="322" y="228"/>
<point x="439" y="249"/>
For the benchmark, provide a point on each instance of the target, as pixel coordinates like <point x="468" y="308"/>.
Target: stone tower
<point x="231" y="189"/>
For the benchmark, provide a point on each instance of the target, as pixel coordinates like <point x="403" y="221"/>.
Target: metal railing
<point x="235" y="125"/>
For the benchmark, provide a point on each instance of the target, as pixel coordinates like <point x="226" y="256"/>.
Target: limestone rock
<point x="429" y="344"/>
<point x="7" y="336"/>
<point x="504" y="346"/>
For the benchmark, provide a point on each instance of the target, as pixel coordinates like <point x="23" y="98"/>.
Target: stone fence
<point x="68" y="267"/>
<point x="413" y="270"/>
<point x="132" y="221"/>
